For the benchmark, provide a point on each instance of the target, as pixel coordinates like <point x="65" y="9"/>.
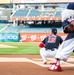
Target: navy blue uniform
<point x="49" y="46"/>
<point x="52" y="41"/>
<point x="66" y="48"/>
<point x="69" y="36"/>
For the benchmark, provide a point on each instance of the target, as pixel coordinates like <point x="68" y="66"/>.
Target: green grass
<point x="21" y="48"/>
<point x="73" y="53"/>
<point x="2" y="26"/>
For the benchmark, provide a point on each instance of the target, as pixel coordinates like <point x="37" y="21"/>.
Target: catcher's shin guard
<point x="54" y="67"/>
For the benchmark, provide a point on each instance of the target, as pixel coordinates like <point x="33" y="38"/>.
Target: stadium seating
<point x="26" y="13"/>
<point x="34" y="12"/>
<point x="2" y="26"/>
<point x="20" y="13"/>
<point x="58" y="14"/>
<point x="12" y="29"/>
<point x="60" y="30"/>
<point x="33" y="30"/>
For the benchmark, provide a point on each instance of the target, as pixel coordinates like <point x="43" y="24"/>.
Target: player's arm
<point x="41" y="45"/>
<point x="61" y="40"/>
<point x="68" y="26"/>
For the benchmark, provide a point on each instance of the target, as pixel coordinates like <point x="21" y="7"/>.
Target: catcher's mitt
<point x="69" y="28"/>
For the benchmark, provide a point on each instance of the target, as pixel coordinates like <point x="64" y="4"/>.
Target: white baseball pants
<point x="65" y="49"/>
<point x="47" y="53"/>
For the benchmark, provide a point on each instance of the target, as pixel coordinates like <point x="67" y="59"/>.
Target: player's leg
<point x="63" y="53"/>
<point x="43" y="55"/>
<point x="65" y="50"/>
<point x="46" y="54"/>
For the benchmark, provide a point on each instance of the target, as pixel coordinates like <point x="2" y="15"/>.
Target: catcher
<point x="49" y="46"/>
<point x="66" y="48"/>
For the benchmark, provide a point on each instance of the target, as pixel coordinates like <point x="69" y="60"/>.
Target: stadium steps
<point x="58" y="14"/>
<point x="20" y="13"/>
<point x="3" y="27"/>
<point x="20" y="29"/>
<point x="34" y="13"/>
<point x="12" y="28"/>
<point x="26" y="13"/>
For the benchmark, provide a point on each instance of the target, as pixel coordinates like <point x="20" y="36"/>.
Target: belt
<point x="50" y="49"/>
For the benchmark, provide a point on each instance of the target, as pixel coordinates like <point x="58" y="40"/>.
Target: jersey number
<point x="52" y="39"/>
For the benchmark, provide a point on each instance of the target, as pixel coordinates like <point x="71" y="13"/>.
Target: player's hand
<point x="41" y="45"/>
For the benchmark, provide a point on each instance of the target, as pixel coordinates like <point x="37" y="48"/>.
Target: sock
<point x="57" y="61"/>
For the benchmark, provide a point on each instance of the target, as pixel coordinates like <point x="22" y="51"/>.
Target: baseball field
<point x="22" y="58"/>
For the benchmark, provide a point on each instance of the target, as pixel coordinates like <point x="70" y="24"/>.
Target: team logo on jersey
<point x="71" y="20"/>
<point x="52" y="39"/>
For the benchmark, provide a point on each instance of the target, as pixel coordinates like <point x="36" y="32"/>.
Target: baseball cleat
<point x="45" y="63"/>
<point x="54" y="67"/>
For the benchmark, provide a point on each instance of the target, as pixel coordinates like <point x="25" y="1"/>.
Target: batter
<point x="67" y="47"/>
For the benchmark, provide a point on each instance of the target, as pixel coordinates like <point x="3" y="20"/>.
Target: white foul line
<point x="3" y="59"/>
<point x="36" y="63"/>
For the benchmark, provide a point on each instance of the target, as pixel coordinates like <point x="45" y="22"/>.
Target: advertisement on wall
<point x="9" y="37"/>
<point x="5" y="1"/>
<point x="36" y="37"/>
<point x="26" y="37"/>
<point x="34" y="1"/>
<point x="41" y="1"/>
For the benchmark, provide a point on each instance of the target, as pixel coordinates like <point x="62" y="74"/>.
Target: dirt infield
<point x="31" y="65"/>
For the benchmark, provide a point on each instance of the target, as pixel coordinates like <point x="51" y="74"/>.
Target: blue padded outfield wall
<point x="9" y="37"/>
